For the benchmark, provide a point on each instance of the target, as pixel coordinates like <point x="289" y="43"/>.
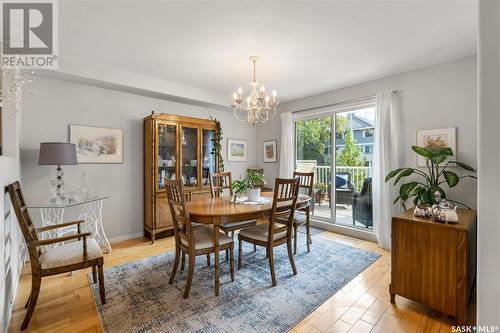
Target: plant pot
<point x="319" y="196"/>
<point x="253" y="194"/>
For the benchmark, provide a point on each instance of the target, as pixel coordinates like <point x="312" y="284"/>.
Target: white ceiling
<point x="304" y="47"/>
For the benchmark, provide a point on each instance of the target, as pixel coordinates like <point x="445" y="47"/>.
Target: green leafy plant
<point x="423" y="189"/>
<point x="254" y="177"/>
<point x="321" y="187"/>
<point x="240" y="187"/>
<point x="217" y="144"/>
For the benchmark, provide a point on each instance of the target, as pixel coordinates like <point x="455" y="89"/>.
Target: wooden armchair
<point x="83" y="253"/>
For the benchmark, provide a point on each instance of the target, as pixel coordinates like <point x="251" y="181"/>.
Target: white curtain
<point x="287" y="146"/>
<point x="387" y="157"/>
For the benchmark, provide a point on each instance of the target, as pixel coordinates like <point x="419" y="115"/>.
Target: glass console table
<point x="91" y="212"/>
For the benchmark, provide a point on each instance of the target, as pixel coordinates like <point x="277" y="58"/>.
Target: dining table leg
<point x="216" y="254"/>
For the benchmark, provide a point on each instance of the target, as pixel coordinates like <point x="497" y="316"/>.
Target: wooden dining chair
<point x="193" y="241"/>
<point x="272" y="234"/>
<point x="302" y="215"/>
<point x="80" y="254"/>
<point x="218" y="183"/>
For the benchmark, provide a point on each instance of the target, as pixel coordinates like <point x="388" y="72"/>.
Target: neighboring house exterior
<point x="363" y="131"/>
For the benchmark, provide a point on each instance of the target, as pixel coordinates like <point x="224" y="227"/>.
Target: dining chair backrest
<point x="306" y="181"/>
<point x="180" y="214"/>
<point x="23" y="218"/>
<point x="219" y="182"/>
<point x="286" y="192"/>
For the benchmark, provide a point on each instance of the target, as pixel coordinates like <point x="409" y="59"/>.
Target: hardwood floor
<point x="66" y="305"/>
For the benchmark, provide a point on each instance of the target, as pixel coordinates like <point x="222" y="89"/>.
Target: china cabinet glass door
<point x="207" y="158"/>
<point x="167" y="153"/>
<point x="189" y="153"/>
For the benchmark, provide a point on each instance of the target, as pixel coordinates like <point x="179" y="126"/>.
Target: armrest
<point x="36" y="243"/>
<point x="60" y="225"/>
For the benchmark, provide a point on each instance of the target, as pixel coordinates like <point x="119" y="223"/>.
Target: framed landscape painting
<point x="436" y="138"/>
<point x="236" y="150"/>
<point x="270" y="154"/>
<point x="97" y="144"/>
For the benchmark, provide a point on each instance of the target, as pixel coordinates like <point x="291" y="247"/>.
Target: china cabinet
<point x="175" y="147"/>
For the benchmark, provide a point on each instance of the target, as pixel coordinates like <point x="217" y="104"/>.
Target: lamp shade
<point x="57" y="153"/>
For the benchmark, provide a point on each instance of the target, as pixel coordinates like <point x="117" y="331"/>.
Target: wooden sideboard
<point x="175" y="147"/>
<point x="434" y="263"/>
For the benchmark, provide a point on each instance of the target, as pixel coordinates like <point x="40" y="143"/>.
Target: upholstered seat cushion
<point x="298" y="219"/>
<point x="260" y="232"/>
<point x="69" y="254"/>
<point x="204" y="238"/>
<point x="238" y="224"/>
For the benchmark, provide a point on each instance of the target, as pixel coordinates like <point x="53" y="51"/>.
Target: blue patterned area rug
<point x="139" y="298"/>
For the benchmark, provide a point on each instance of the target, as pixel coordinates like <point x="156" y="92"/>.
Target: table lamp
<point x="57" y="153"/>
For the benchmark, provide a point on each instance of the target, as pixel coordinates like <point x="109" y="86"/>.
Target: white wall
<point x="46" y="117"/>
<point x="488" y="277"/>
<point x="442" y="95"/>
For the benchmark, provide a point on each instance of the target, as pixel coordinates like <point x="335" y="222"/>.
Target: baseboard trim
<point x="344" y="230"/>
<point x="120" y="238"/>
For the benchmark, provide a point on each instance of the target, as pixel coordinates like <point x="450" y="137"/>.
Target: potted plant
<point x="320" y="192"/>
<point x="253" y="178"/>
<point x="423" y="188"/>
<point x="249" y="185"/>
<point x="239" y="187"/>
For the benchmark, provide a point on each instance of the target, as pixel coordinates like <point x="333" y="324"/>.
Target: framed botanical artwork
<point x="436" y="138"/>
<point x="236" y="150"/>
<point x="270" y="153"/>
<point x="97" y="144"/>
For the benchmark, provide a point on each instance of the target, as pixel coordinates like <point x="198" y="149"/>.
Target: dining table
<point x="223" y="209"/>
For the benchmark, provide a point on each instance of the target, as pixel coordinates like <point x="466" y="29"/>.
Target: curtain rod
<point x="360" y="99"/>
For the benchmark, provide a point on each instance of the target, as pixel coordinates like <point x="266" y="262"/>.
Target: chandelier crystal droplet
<point x="260" y="107"/>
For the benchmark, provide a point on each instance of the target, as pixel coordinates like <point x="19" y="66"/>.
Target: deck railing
<point x="322" y="174"/>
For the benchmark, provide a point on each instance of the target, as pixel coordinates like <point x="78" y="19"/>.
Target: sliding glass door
<point x="313" y="138"/>
<point x="343" y="174"/>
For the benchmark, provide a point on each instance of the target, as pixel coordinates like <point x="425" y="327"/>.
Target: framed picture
<point x="435" y="138"/>
<point x="97" y="144"/>
<point x="236" y="150"/>
<point x="270" y="153"/>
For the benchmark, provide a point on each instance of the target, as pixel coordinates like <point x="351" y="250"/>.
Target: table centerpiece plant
<point x="423" y="189"/>
<point x="248" y="185"/>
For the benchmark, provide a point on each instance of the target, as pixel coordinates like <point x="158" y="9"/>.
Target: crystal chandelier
<point x="260" y="107"/>
<point x="18" y="81"/>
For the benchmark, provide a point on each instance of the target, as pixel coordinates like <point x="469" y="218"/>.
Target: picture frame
<point x="441" y="137"/>
<point x="270" y="153"/>
<point x="236" y="150"/>
<point x="97" y="145"/>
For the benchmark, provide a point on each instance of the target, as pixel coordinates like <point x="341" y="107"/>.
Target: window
<point x="367" y="149"/>
<point x="368" y="132"/>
